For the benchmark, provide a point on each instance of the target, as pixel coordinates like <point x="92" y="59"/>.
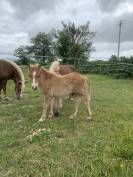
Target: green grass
<point x="100" y="148"/>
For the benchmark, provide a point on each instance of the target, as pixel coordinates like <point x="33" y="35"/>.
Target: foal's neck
<point x="47" y="74"/>
<point x="45" y="78"/>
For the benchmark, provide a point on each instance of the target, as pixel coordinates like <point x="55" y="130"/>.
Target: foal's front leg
<point x="45" y="108"/>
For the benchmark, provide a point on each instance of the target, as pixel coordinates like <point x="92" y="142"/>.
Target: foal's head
<point x="34" y="74"/>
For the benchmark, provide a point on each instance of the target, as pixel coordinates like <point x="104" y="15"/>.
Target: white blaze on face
<point x="34" y="83"/>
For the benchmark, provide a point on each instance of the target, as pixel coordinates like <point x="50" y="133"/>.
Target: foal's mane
<point x="48" y="73"/>
<point x="19" y="71"/>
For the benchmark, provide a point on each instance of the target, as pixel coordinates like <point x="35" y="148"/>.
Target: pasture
<point x="69" y="148"/>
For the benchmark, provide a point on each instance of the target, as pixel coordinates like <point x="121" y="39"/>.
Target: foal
<point x="55" y="86"/>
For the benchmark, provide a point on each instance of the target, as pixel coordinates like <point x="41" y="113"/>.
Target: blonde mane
<point x="19" y="72"/>
<point x="55" y="67"/>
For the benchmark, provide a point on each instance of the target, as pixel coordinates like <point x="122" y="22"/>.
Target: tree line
<point x="71" y="43"/>
<point x="122" y="59"/>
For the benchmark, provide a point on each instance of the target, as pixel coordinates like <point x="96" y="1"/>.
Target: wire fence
<point x="116" y="70"/>
<point x="84" y="66"/>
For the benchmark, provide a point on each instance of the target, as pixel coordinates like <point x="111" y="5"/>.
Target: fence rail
<point x="118" y="69"/>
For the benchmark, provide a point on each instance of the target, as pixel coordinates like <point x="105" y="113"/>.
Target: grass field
<point x="102" y="147"/>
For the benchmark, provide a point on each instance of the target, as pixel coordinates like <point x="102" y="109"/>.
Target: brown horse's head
<point x="34" y="74"/>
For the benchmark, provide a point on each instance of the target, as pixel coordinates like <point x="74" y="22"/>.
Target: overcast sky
<point x="22" y="19"/>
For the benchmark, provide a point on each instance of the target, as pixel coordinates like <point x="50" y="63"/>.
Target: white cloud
<point x="104" y="50"/>
<point x="8" y="42"/>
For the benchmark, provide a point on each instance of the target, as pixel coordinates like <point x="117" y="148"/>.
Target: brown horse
<point x="57" y="86"/>
<point x="11" y="71"/>
<point x="57" y="68"/>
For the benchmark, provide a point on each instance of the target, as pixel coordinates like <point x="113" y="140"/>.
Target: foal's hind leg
<point x="88" y="106"/>
<point x="77" y="101"/>
<point x="56" y="106"/>
<point x="51" y="114"/>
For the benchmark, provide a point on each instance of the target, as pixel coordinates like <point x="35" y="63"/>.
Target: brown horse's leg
<point x="0" y="91"/>
<point x="4" y="89"/>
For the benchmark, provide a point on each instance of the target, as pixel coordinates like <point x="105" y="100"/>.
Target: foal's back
<point x="69" y="81"/>
<point x="74" y="78"/>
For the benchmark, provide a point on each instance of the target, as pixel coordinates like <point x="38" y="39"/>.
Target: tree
<point x="131" y="59"/>
<point x="113" y="59"/>
<point x="41" y="47"/>
<point x="73" y="42"/>
<point x="126" y="59"/>
<point x="22" y="52"/>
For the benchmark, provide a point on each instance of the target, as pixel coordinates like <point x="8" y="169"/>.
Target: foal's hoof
<point x="50" y="116"/>
<point x="56" y="114"/>
<point x="41" y="119"/>
<point x="71" y="117"/>
<point x="89" y="118"/>
<point x="71" y="99"/>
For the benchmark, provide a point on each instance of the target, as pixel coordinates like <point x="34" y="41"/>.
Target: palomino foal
<point x="55" y="86"/>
